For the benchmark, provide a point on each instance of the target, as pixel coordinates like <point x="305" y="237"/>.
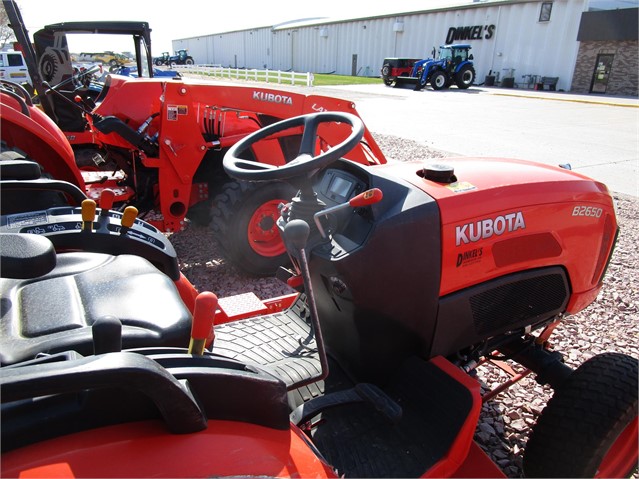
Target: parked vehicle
<point x="454" y="66"/>
<point x="14" y="68"/>
<point x="108" y="57"/>
<point x="381" y="341"/>
<point x="181" y="57"/>
<point x="162" y="60"/>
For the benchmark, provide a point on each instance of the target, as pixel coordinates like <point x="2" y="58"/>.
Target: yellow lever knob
<point x="88" y="214"/>
<point x="129" y="216"/>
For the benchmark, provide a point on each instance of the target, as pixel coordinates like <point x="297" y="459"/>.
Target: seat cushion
<point x="55" y="312"/>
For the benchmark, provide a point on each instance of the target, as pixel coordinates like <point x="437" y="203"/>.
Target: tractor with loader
<point x="113" y="365"/>
<point x="454" y="66"/>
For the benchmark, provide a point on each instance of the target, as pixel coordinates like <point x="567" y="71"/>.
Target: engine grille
<point x="518" y="303"/>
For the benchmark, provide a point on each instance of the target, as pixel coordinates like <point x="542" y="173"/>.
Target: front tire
<point x="438" y="80"/>
<point x="589" y="427"/>
<point x="243" y="217"/>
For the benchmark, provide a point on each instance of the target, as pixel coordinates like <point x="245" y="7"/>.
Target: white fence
<point x="268" y="76"/>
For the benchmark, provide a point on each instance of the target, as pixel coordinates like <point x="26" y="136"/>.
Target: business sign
<point x="476" y="32"/>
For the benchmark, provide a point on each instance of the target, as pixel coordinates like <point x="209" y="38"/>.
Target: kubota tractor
<point x="159" y="143"/>
<point x="454" y="66"/>
<point x="410" y="276"/>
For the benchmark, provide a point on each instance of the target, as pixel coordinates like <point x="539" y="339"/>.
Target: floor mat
<point x="359" y="442"/>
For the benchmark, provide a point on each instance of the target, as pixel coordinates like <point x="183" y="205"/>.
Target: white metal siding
<point x="519" y="41"/>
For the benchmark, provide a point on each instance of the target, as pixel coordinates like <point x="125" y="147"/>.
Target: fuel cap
<point x="439" y="173"/>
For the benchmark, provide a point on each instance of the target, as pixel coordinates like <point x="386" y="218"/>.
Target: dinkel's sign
<point x="477" y="32"/>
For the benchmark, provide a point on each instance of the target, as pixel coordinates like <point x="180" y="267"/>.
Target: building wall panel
<point x="508" y="37"/>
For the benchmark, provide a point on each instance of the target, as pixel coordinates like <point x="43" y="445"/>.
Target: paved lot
<point x="597" y="136"/>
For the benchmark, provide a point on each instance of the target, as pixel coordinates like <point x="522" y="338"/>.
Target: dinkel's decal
<point x="484" y="229"/>
<point x="469" y="257"/>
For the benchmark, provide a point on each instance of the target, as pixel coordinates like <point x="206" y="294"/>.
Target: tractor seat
<point x="49" y="300"/>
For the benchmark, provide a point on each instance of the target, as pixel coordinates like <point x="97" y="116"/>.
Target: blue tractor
<point x="454" y="66"/>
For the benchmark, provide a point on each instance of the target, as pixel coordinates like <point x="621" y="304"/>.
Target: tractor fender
<point x="46" y="143"/>
<point x="462" y="65"/>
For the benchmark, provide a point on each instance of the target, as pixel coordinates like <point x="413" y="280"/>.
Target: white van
<point x="14" y="68"/>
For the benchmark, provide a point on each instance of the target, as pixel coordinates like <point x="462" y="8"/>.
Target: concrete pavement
<point x="597" y="135"/>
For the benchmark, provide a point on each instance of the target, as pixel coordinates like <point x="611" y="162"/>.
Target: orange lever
<point x="203" y="319"/>
<point x="88" y="214"/>
<point x="366" y="198"/>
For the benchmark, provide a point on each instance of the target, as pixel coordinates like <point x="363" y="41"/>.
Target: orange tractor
<point x="159" y="142"/>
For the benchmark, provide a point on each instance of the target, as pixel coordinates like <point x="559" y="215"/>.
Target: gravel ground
<point x="609" y="324"/>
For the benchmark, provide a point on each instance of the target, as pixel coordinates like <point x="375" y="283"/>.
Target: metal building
<point x="515" y="38"/>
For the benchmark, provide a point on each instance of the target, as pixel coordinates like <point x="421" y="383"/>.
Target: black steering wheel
<point x="305" y="164"/>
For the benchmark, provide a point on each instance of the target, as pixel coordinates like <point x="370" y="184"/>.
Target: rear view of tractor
<point x="453" y="67"/>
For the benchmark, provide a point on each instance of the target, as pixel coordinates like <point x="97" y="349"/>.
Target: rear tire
<point x="243" y="218"/>
<point x="589" y="427"/>
<point x="465" y="77"/>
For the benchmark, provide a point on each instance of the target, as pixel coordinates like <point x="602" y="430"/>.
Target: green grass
<point x="320" y="79"/>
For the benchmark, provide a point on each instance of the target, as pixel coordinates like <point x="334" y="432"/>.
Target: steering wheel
<point x="305" y="164"/>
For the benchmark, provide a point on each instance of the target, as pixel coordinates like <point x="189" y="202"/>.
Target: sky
<point x="188" y="18"/>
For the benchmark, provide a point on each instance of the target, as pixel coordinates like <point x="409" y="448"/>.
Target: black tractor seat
<point x="52" y="311"/>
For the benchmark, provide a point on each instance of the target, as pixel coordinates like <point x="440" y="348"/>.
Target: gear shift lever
<point x="296" y="235"/>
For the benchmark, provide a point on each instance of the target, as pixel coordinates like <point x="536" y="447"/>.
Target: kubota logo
<point x="272" y="98"/>
<point x="484" y="229"/>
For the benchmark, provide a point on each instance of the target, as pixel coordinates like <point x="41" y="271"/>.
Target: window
<point x="544" y="13"/>
<point x="14" y="59"/>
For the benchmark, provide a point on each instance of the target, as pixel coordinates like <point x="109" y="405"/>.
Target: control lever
<point x="366" y="198"/>
<point x="128" y="218"/>
<point x="107" y="197"/>
<point x="88" y="215"/>
<point x="203" y="319"/>
<point x="296" y="235"/>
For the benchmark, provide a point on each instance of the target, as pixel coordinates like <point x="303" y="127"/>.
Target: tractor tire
<point x="243" y="218"/>
<point x="465" y="77"/>
<point x="159" y="63"/>
<point x="439" y="80"/>
<point x="589" y="427"/>
<point x="189" y="61"/>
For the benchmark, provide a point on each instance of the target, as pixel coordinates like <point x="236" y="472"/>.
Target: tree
<point x="6" y="33"/>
